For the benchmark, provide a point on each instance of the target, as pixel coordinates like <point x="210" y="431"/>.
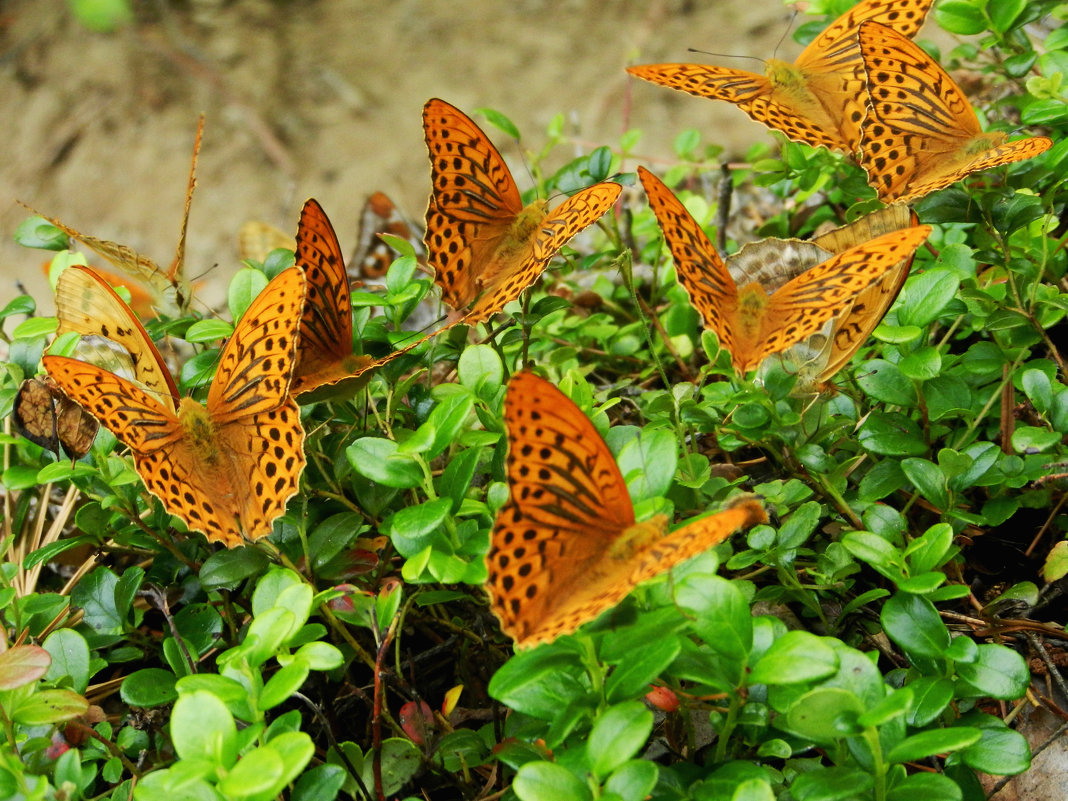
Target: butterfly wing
<point x="778" y="101"/>
<point x="702" y="272"/>
<point x="257" y="362"/>
<point x="800" y="308"/>
<point x="568" y="504"/>
<point x="854" y="325"/>
<point x="696" y="537"/>
<point x="136" y="417"/>
<point x="255" y="240"/>
<point x="818" y="100"/>
<point x="87" y="305"/>
<point x="473" y="201"/>
<point x="325" y="353"/>
<point x="373" y="255"/>
<point x="833" y="67"/>
<point x="578" y="212"/>
<point x="921" y="133"/>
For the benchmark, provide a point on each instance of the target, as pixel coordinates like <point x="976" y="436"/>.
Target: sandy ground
<point x="320" y="99"/>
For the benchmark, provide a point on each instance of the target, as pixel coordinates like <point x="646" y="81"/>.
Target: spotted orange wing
<point x="921" y="133"/>
<point x="853" y="327"/>
<point x="820" y="99"/>
<point x="754" y="323"/>
<point x="566" y="547"/>
<point x="702" y="273"/>
<point x="87" y="305"/>
<point x="485" y="246"/>
<point x="578" y="212"/>
<point x="229" y="468"/>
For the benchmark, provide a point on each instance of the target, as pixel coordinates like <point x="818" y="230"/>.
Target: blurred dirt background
<point x="321" y="98"/>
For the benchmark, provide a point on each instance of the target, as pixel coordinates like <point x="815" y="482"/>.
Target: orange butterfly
<point x="772" y="263"/>
<point x="229" y="468"/>
<point x="921" y="133"/>
<point x="566" y="547"/>
<point x="749" y="323"/>
<point x="485" y="246"/>
<point x="170" y="288"/>
<point x="325" y="355"/>
<point x="820" y="99"/>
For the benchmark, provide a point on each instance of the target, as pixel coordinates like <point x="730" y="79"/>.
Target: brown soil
<point x="320" y="99"/>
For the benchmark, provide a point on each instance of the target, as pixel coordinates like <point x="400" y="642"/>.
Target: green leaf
<point x="825" y="715"/>
<point x="721" y="616"/>
<point x="928" y="551"/>
<point x="203" y="728"/>
<point x="229" y="568"/>
<point x="913" y="623"/>
<point x="1038" y="388"/>
<point x="95" y="594"/>
<point x="208" y="331"/>
<point x="480" y="369"/>
<point x="925" y="786"/>
<point x="1004" y="13"/>
<point x="102" y="16"/>
<point x="547" y="781"/>
<point x="617" y="735"/>
<point x="648" y="463"/>
<point x="499" y="120"/>
<point x="246" y="284"/>
<point x="281" y="686"/>
<point x="321" y="783"/>
<point x="797" y="656"/>
<point x="633" y="780"/>
<point x="400" y="761"/>
<point x="883" y="381"/>
<point x="377" y="459"/>
<point x="632" y="677"/>
<point x="416" y="527"/>
<point x="258" y="772"/>
<point x="831" y="784"/>
<point x="892" y="434"/>
<point x="927" y="295"/>
<point x="148" y="687"/>
<point x="935" y="741"/>
<point x="49" y="706"/>
<point x="70" y="657"/>
<point x="1000" y="750"/>
<point x="930" y="696"/>
<point x="928" y="479"/>
<point x="961" y="17"/>
<point x="39" y="233"/>
<point x="997" y="672"/>
<point x="1031" y="439"/>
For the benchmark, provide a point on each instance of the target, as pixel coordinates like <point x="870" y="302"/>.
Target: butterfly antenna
<point x="723" y="55"/>
<point x="786" y="30"/>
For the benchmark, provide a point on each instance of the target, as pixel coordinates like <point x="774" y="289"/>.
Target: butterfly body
<point x="921" y="133"/>
<point x="229" y="467"/>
